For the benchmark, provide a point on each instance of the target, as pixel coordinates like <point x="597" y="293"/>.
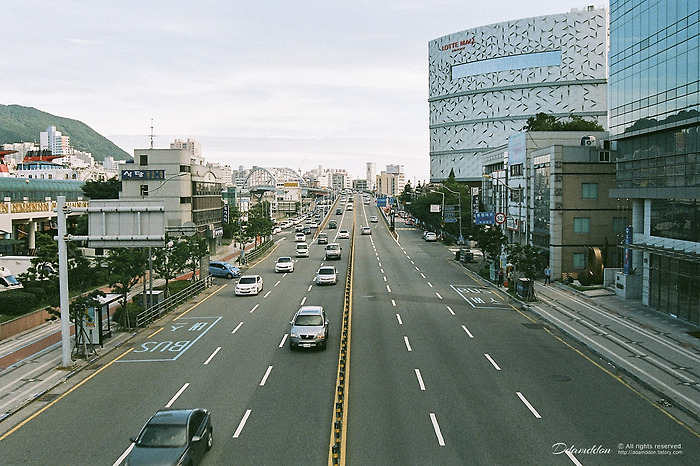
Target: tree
<point x="489" y="240"/>
<point x="125" y="266"/>
<point x="528" y="260"/>
<point x="170" y="260"/>
<point x="196" y="248"/>
<point x="103" y="189"/>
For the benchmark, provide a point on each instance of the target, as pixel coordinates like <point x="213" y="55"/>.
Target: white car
<point x="327" y="275"/>
<point x="284" y="264"/>
<point x="302" y="250"/>
<point x="300" y="237"/>
<point x="366" y="231"/>
<point x="343" y="234"/>
<point x="373" y="219"/>
<point x="249" y="284"/>
<point x="430" y="236"/>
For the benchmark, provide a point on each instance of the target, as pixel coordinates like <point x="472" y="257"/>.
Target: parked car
<point x="223" y="269"/>
<point x="173" y="436"/>
<point x="373" y="219"/>
<point x="284" y="264"/>
<point x="327" y="275"/>
<point x="366" y="231"/>
<point x="249" y="284"/>
<point x="333" y="251"/>
<point x="300" y="237"/>
<point x="343" y="234"/>
<point x="276" y="230"/>
<point x="302" y="250"/>
<point x="430" y="236"/>
<point x="309" y="328"/>
<point x="322" y="238"/>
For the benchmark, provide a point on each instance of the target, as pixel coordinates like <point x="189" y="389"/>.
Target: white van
<point x="7" y="280"/>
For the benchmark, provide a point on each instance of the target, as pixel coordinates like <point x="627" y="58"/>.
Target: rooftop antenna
<point x="152" y="135"/>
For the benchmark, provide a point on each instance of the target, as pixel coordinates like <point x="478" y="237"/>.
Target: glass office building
<point x="655" y="120"/>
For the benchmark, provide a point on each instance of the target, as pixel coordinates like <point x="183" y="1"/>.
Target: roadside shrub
<point x="133" y="309"/>
<point x="17" y="302"/>
<point x="37" y="291"/>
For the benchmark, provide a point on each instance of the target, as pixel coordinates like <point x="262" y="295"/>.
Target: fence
<point x="257" y="252"/>
<point x="170" y="303"/>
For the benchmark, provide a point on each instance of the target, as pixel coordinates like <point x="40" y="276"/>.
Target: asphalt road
<point x="443" y="370"/>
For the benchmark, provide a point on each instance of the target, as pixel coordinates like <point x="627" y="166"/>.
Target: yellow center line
<point x="21" y="424"/>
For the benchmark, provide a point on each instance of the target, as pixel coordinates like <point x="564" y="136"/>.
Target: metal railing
<point x="157" y="310"/>
<point x="257" y="252"/>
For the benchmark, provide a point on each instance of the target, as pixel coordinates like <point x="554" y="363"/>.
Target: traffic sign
<point x="500" y="218"/>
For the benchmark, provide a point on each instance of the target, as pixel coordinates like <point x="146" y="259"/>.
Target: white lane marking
<point x="492" y="361"/>
<point x="267" y="294"/>
<point x="310" y="286"/>
<point x="241" y="425"/>
<point x="398" y="317"/>
<point x="388" y="289"/>
<point x="572" y="457"/>
<point x="254" y="308"/>
<point x="284" y="338"/>
<point x="380" y="264"/>
<point x="468" y="332"/>
<point x="384" y="278"/>
<point x="438" y="294"/>
<point x="267" y="374"/>
<point x="416" y="267"/>
<point x="303" y="301"/>
<point x="121" y="459"/>
<point x="430" y="284"/>
<point x="393" y="303"/>
<point x="177" y="395"/>
<point x="381" y="270"/>
<point x="529" y="406"/>
<point x="438" y="434"/>
<point x="408" y="256"/>
<point x="451" y="311"/>
<point x="408" y="345"/>
<point x="422" y="274"/>
<point x="206" y="363"/>
<point x="237" y="327"/>
<point x="278" y="282"/>
<point x="420" y="380"/>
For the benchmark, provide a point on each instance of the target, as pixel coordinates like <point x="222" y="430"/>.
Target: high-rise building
<point x="53" y="140"/>
<point x="371" y="176"/>
<point x="655" y="123"/>
<point x="484" y="84"/>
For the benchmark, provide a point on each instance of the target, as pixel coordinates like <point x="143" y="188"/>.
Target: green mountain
<point x="23" y="124"/>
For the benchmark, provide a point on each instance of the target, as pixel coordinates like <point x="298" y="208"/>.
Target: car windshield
<point x="284" y="259"/>
<point x="332" y="247"/>
<point x="246" y="280"/>
<point x="163" y="436"/>
<point x="327" y="271"/>
<point x="308" y="320"/>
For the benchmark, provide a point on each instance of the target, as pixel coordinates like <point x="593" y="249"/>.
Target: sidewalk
<point x="29" y="361"/>
<point x="660" y="352"/>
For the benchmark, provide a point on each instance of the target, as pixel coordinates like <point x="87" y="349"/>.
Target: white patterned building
<point x="486" y="82"/>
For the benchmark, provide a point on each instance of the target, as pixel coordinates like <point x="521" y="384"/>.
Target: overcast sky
<point x="289" y="83"/>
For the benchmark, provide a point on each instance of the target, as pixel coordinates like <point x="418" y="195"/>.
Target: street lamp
<point x="442" y="209"/>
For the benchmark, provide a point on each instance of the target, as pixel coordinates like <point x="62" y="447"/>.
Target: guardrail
<point x="170" y="303"/>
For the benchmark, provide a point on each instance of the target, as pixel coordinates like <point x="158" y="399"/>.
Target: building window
<point x="604" y="156"/>
<point x="589" y="190"/>
<point x="579" y="260"/>
<point x="186" y="200"/>
<point x="185" y="169"/>
<point x="582" y="225"/>
<point x="619" y="225"/>
<point x="143" y="160"/>
<point x="516" y="170"/>
<point x="144" y="190"/>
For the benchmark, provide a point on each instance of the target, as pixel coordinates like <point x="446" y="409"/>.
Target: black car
<point x="173" y="436"/>
<point x="338" y="211"/>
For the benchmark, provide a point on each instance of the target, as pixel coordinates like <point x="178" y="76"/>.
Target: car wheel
<point x="291" y="346"/>
<point x="323" y="345"/>
<point x="210" y="439"/>
<point x="229" y="275"/>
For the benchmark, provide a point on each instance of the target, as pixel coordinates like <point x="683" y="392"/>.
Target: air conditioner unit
<point x="588" y="141"/>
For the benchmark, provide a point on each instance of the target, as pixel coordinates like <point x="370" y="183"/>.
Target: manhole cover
<point x="560" y="378"/>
